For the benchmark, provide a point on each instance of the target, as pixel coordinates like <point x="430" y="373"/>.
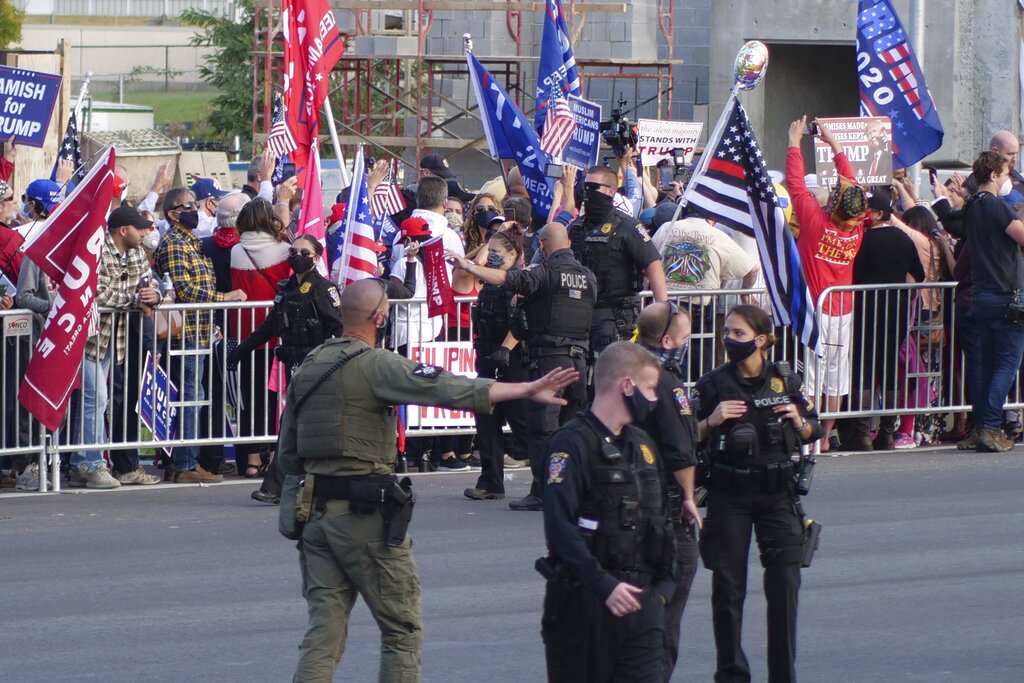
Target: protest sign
<point x="456" y="357"/>
<point x="157" y="396"/>
<point x="657" y="139"/>
<point x="585" y="142"/>
<point x="26" y="104"/>
<point x="867" y="143"/>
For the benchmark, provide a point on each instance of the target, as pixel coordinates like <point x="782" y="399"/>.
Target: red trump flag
<point x="312" y="46"/>
<point x="67" y="248"/>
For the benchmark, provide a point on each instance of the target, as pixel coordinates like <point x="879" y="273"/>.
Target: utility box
<point x="141" y="152"/>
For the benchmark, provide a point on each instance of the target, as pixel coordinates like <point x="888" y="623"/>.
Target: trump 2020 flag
<point x="892" y="83"/>
<point x="510" y="135"/>
<point x="556" y="75"/>
<point x="358" y="259"/>
<point x="734" y="188"/>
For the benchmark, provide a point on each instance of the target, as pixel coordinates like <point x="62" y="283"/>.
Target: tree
<point x="10" y="24"/>
<point x="229" y="69"/>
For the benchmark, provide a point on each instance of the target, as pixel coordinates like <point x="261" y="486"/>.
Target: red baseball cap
<point x="415" y="226"/>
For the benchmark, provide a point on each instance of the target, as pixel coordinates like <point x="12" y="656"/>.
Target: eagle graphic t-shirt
<point x="697" y="255"/>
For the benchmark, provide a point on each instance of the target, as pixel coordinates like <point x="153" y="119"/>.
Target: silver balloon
<point x="751" y="65"/>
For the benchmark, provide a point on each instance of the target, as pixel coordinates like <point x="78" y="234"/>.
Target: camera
<point x="553" y="171"/>
<point x="617" y="132"/>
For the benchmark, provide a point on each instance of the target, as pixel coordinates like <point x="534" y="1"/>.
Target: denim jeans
<point x="94" y="407"/>
<point x="999" y="346"/>
<point x="190" y="388"/>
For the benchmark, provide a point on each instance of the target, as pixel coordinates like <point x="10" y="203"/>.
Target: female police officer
<point x="306" y="313"/>
<point x="753" y="417"/>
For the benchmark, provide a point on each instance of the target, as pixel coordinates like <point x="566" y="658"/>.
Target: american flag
<point x="358" y="259"/>
<point x="280" y="140"/>
<point x="387" y="197"/>
<point x="557" y="74"/>
<point x="559" y="125"/>
<point x="71" y="150"/>
<point x="733" y="187"/>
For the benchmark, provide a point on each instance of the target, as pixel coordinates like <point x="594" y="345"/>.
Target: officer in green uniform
<point x="610" y="548"/>
<point x="619" y="251"/>
<point x="339" y="431"/>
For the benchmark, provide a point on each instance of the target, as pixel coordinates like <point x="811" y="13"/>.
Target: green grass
<point x="174" y="107"/>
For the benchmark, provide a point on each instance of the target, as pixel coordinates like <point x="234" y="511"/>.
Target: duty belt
<point x="573" y="351"/>
<point x="774" y="478"/>
<point x="367" y="489"/>
<point x="637" y="578"/>
<point x="617" y="304"/>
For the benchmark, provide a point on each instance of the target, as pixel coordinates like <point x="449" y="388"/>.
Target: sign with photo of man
<point x="867" y="143"/>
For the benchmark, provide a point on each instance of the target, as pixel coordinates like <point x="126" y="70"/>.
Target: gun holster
<point x="399" y="500"/>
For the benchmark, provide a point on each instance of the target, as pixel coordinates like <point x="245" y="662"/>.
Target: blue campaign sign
<point x="582" y="149"/>
<point x="156" y="396"/>
<point x="26" y="104"/>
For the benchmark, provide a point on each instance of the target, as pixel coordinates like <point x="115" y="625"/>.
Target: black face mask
<point x="495" y="261"/>
<point x="300" y="264"/>
<point x="189" y="219"/>
<point x="597" y="204"/>
<point x="739" y="351"/>
<point x="638" y="405"/>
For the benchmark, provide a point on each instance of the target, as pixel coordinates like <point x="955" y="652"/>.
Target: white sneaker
<point x="29" y="479"/>
<point x="98" y="478"/>
<point x="137" y="477"/>
<point x="513" y="464"/>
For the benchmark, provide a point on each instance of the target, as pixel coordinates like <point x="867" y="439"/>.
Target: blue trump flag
<point x="892" y="83"/>
<point x="556" y="73"/>
<point x="510" y="135"/>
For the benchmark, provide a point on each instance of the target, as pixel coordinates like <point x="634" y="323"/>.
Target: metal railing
<point x="901" y="359"/>
<point x="122" y="8"/>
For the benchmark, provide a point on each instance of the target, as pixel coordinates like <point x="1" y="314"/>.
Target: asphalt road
<point x="920" y="577"/>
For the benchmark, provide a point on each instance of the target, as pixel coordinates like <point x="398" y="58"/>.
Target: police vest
<point x="562" y="311"/>
<point x="759" y="437"/>
<point x="622" y="516"/>
<point x="490" y="313"/>
<point x="602" y="249"/>
<point x="298" y="320"/>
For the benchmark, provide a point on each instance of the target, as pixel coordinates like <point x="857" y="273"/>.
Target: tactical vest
<point x="759" y="436"/>
<point x="328" y="426"/>
<point x="298" y="321"/>
<point x="632" y="532"/>
<point x="490" y="313"/>
<point x="563" y="312"/>
<point x="602" y="249"/>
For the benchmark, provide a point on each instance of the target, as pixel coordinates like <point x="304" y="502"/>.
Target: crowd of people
<point x="215" y="245"/>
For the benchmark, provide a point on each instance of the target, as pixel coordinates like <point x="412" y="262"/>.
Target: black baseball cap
<point x="436" y="164"/>
<point x="127" y="215"/>
<point x="880" y="200"/>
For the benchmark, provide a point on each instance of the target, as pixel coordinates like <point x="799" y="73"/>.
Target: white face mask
<point x="152" y="240"/>
<point x="1005" y="188"/>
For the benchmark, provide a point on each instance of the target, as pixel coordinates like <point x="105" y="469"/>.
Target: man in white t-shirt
<point x="697" y="255"/>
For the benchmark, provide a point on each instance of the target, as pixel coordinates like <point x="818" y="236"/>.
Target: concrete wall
<point x="970" y="46"/>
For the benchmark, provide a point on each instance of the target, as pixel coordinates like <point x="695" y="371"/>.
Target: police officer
<point x="338" y="431"/>
<point x="499" y="355"/>
<point x="610" y="550"/>
<point x="559" y="304"/>
<point x="753" y="416"/>
<point x="619" y="251"/>
<point x="306" y="312"/>
<point x="664" y="330"/>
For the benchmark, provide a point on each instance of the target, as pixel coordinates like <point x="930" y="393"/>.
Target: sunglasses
<point x="188" y="206"/>
<point x="481" y="209"/>
<point x="673" y="311"/>
<point x="305" y="253"/>
<point x="597" y="186"/>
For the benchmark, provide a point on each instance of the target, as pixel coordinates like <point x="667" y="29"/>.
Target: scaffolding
<point x="375" y="96"/>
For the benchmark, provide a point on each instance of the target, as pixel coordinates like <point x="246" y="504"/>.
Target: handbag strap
<point x="258" y="269"/>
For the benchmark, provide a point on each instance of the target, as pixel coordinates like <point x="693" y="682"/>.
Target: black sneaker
<point x="453" y="464"/>
<point x="264" y="497"/>
<point x="480" y="494"/>
<point x="472" y="461"/>
<point x="530" y="503"/>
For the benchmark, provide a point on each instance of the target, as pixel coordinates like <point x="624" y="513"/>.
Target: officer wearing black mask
<point x="619" y="251"/>
<point x="753" y="417"/>
<point x="306" y="313"/>
<point x="610" y="549"/>
<point x="559" y="303"/>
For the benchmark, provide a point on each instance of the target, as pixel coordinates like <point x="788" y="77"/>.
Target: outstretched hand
<point x="544" y="390"/>
<point x="796" y="131"/>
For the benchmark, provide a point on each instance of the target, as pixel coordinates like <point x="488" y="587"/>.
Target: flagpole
<point x="346" y="178"/>
<point x="705" y="158"/>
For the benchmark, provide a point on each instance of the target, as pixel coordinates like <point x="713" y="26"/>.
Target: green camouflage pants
<point x="343" y="555"/>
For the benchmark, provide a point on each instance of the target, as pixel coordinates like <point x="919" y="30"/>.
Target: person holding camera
<point x="752" y="417"/>
<point x="994" y="238"/>
<point x="618" y="250"/>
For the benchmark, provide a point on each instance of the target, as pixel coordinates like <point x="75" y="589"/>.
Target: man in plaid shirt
<point x="120" y="285"/>
<point x="180" y="256"/>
